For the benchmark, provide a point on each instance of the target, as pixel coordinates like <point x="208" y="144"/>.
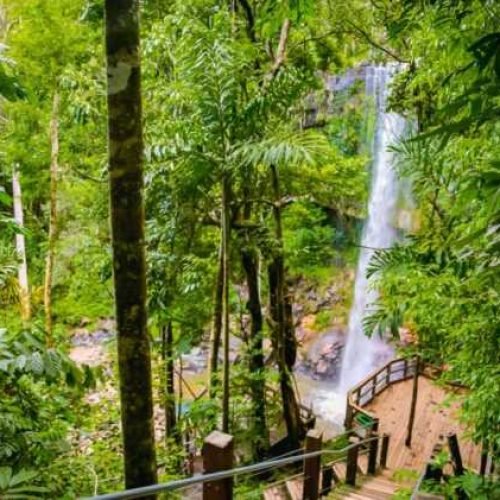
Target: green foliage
<point x="19" y="485"/>
<point x="214" y="106"/>
<point x="442" y="282"/>
<point x="36" y="384"/>
<point x="308" y="237"/>
<point x="323" y="320"/>
<point x="471" y="484"/>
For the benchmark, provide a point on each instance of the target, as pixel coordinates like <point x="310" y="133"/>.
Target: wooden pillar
<point x="373" y="449"/>
<point x="218" y="455"/>
<point x="384" y="451"/>
<point x="432" y="472"/>
<point x="326" y="479"/>
<point x="312" y="466"/>
<point x="352" y="462"/>
<point x="456" y="457"/>
<point x="484" y="458"/>
<point x="348" y="414"/>
<point x="413" y="406"/>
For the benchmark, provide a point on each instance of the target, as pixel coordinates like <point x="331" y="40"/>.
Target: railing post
<point x="413" y="406"/>
<point x="384" y="451"/>
<point x="455" y="454"/>
<point x="433" y="472"/>
<point x="326" y="479"/>
<point x="348" y="413"/>
<point x="373" y="449"/>
<point x="218" y="455"/>
<point x="312" y="466"/>
<point x="352" y="462"/>
<point x="484" y="458"/>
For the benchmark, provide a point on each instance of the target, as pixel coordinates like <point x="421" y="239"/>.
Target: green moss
<point x="324" y="320"/>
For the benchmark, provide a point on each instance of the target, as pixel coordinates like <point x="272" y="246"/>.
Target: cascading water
<point x="362" y="354"/>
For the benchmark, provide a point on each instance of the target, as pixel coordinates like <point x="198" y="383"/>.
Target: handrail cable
<point x="337" y="460"/>
<point x="215" y="476"/>
<point x="416" y="489"/>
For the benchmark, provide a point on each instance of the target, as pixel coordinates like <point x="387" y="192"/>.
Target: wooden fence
<point x="364" y="392"/>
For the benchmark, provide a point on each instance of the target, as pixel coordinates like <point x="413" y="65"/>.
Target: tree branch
<point x="250" y="20"/>
<point x="281" y="54"/>
<point x="280" y="58"/>
<point x="372" y="42"/>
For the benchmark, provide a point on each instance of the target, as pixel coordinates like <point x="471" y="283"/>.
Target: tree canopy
<point x="238" y="170"/>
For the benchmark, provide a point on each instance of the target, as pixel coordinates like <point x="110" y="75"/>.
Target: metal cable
<point x="215" y="476"/>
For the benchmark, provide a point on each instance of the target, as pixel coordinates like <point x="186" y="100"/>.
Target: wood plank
<point x="294" y="488"/>
<point x="275" y="493"/>
<point x="432" y="420"/>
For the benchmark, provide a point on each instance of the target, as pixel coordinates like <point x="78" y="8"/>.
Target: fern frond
<point x="293" y="148"/>
<point x="390" y="259"/>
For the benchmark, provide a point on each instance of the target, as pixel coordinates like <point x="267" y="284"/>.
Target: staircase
<point x="378" y="487"/>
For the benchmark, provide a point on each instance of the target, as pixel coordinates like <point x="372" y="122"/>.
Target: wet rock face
<point x="323" y="359"/>
<point x="82" y="337"/>
<point x="196" y="359"/>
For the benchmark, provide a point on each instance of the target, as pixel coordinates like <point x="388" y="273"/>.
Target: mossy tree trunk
<point x="256" y="365"/>
<point x="282" y="325"/>
<point x="250" y="262"/>
<point x="168" y="359"/>
<point x="127" y="223"/>
<point x="226" y="236"/>
<point x="215" y="334"/>
<point x="49" y="261"/>
<point x="22" y="269"/>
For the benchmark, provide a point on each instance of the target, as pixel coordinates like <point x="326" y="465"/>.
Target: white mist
<point x="363" y="354"/>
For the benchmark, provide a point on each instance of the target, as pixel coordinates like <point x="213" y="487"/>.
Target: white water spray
<point x="363" y="354"/>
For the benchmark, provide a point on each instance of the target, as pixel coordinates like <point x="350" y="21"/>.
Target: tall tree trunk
<point x="215" y="334"/>
<point x="49" y="262"/>
<point x="127" y="223"/>
<point x="250" y="262"/>
<point x="169" y="406"/>
<point x="284" y="339"/>
<point x="22" y="270"/>
<point x="226" y="235"/>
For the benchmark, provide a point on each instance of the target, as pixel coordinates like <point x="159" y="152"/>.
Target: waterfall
<point x="362" y="354"/>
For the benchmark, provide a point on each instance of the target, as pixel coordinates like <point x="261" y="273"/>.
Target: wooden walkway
<point x="432" y="420"/>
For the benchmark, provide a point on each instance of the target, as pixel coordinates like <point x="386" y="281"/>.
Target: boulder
<point x="322" y="367"/>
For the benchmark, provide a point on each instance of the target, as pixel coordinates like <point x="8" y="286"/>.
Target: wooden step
<point x="294" y="488"/>
<point x="371" y="488"/>
<point x="358" y="496"/>
<point x="339" y="470"/>
<point x="376" y="494"/>
<point x="275" y="493"/>
<point x="380" y="484"/>
<point x="363" y="464"/>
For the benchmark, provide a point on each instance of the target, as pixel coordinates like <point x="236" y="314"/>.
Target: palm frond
<point x="390" y="259"/>
<point x="297" y="148"/>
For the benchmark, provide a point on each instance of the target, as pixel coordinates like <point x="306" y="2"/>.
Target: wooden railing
<point x="219" y="473"/>
<point x="366" y="390"/>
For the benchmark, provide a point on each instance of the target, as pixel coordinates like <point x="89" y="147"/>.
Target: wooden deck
<point x="432" y="420"/>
